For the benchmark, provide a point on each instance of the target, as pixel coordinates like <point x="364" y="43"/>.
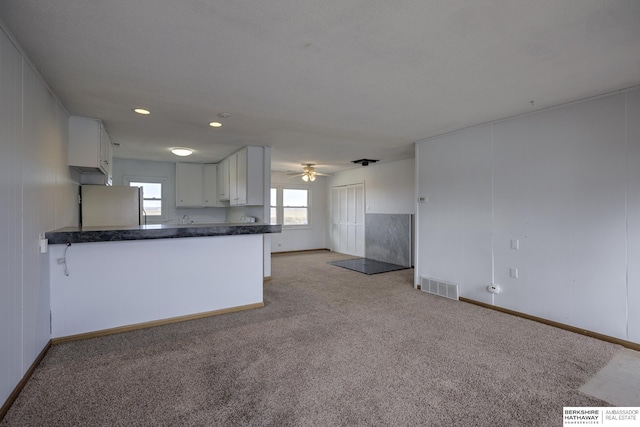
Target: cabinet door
<point x="84" y="144"/>
<point x="223" y="180"/>
<point x="106" y="154"/>
<point x="189" y="185"/>
<point x="210" y="185"/>
<point x="233" y="187"/>
<point x="241" y="177"/>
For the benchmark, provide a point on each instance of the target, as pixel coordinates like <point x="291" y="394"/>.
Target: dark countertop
<point x="155" y="231"/>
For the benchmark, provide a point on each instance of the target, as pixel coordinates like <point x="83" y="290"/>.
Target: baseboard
<point x="137" y="326"/>
<point x="602" y="337"/>
<point x="266" y="278"/>
<point x="300" y="251"/>
<point x="16" y="391"/>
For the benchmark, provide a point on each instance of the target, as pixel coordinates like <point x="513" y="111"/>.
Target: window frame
<point x="128" y="179"/>
<point x="280" y="205"/>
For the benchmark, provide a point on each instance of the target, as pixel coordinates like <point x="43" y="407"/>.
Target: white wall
<point x="389" y="187"/>
<point x="565" y="184"/>
<point x="313" y="237"/>
<point x="37" y="194"/>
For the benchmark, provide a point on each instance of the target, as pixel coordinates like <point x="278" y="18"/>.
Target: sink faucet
<point x="185" y="219"/>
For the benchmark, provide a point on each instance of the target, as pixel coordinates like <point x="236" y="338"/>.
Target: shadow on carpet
<point x="367" y="266"/>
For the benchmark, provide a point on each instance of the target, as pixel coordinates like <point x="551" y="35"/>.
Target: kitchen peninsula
<point x="111" y="279"/>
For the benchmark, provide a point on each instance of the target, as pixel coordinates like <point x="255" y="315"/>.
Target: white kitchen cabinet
<point x="210" y="191"/>
<point x="196" y="185"/>
<point x="106" y="153"/>
<point x="89" y="147"/>
<point x="223" y="180"/>
<point x="189" y="185"/>
<point x="246" y="177"/>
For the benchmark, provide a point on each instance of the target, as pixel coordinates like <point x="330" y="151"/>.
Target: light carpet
<point x="331" y="347"/>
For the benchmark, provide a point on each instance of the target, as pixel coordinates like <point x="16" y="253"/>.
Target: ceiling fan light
<point x="312" y="177"/>
<point x="305" y="177"/>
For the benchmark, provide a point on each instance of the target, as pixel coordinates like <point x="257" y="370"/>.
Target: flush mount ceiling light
<point x="182" y="151"/>
<point x="215" y="124"/>
<point x="224" y="115"/>
<point x="142" y="111"/>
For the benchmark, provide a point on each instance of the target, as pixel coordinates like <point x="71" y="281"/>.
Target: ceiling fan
<point x="308" y="173"/>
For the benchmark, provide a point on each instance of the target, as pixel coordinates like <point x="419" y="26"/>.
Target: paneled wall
<point x="551" y="197"/>
<point x="37" y="194"/>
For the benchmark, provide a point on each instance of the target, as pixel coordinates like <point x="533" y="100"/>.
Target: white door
<point x="347" y="218"/>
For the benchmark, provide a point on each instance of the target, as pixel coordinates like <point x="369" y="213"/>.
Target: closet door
<point x="347" y="219"/>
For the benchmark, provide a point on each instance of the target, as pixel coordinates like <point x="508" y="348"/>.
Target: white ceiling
<point x="321" y="82"/>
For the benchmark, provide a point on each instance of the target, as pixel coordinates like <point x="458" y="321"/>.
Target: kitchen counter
<point x="155" y="231"/>
<point x="113" y="279"/>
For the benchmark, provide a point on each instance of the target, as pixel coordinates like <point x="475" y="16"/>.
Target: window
<point x="153" y="203"/>
<point x="295" y="205"/>
<point x="290" y="206"/>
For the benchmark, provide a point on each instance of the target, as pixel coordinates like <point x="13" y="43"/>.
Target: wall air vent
<point x="439" y="287"/>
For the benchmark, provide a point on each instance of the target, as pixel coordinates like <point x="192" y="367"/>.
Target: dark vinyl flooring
<point x="367" y="266"/>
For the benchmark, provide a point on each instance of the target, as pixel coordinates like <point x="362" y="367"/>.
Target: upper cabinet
<point x="189" y="185"/>
<point x="196" y="185"/>
<point x="237" y="180"/>
<point x="90" y="150"/>
<point x="246" y="177"/>
<point x="210" y="191"/>
<point x="223" y="180"/>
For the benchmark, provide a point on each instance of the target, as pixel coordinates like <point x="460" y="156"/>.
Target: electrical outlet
<point x="493" y="288"/>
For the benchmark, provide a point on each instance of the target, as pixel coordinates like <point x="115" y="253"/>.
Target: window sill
<point x="297" y="227"/>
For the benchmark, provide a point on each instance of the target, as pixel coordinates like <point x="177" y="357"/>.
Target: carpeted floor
<point x="331" y="347"/>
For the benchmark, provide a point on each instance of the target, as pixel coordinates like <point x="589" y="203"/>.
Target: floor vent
<point x="438" y="287"/>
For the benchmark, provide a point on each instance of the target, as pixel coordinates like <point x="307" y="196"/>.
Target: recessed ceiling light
<point x="224" y="115"/>
<point x="142" y="111"/>
<point x="215" y="124"/>
<point x="182" y="151"/>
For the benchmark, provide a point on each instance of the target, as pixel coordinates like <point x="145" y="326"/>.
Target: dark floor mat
<point x="367" y="266"/>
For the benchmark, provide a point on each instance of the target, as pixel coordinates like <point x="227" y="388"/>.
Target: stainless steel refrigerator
<point x="102" y="205"/>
